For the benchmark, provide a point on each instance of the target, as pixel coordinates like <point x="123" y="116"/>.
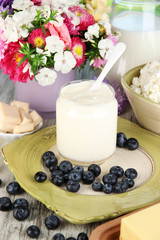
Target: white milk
<point x="141" y="33"/>
<point x="86" y="122"/>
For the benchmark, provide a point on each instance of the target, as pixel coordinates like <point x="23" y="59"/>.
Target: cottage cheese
<point x="148" y="83"/>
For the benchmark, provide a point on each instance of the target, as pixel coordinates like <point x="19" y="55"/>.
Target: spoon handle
<point x="116" y="53"/>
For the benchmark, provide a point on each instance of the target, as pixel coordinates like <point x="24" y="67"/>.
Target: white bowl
<point x="14" y="136"/>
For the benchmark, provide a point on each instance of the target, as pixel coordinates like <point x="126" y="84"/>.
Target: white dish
<point x="14" y="136"/>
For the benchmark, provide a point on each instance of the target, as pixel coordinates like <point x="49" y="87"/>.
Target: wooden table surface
<point x="10" y="228"/>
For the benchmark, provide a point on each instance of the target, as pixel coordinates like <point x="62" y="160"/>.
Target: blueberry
<point x="53" y="168"/>
<point x="117" y="170"/>
<point x="132" y="144"/>
<point x="56" y="172"/>
<point x="65" y="176"/>
<point x="72" y="186"/>
<point x="97" y="186"/>
<point x="82" y="236"/>
<point x="88" y="177"/>
<point x="131" y="173"/>
<point x="21" y="213"/>
<point x="107" y="188"/>
<point x="13" y="188"/>
<point x="58" y="180"/>
<point x="95" y="169"/>
<point x="121" y="140"/>
<point x="58" y="236"/>
<point x="20" y="202"/>
<point x="33" y="231"/>
<point x="78" y="169"/>
<point x="5" y="204"/>
<point x="65" y="166"/>
<point x="129" y="181"/>
<point x="71" y="238"/>
<point x="109" y="178"/>
<point x="52" y="222"/>
<point x="49" y="159"/>
<point x="75" y="176"/>
<point x="121" y="187"/>
<point x="0" y="182"/>
<point x="40" y="176"/>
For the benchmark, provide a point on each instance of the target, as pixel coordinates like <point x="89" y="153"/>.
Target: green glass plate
<point x="23" y="157"/>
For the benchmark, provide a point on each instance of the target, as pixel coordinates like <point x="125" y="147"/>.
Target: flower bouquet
<point x="39" y="38"/>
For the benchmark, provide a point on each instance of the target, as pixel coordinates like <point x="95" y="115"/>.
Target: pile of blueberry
<point x="65" y="173"/>
<point x="116" y="181"/>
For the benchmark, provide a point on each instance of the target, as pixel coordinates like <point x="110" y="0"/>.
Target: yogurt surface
<point x="80" y="93"/>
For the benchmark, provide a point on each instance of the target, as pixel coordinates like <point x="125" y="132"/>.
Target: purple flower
<point x="119" y="95"/>
<point x="5" y="7"/>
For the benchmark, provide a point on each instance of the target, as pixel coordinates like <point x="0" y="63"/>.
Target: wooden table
<point x="10" y="228"/>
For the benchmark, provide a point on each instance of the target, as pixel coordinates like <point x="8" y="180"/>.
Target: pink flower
<point x="3" y="46"/>
<point x="37" y="38"/>
<point x="10" y="62"/>
<point x="98" y="62"/>
<point x="113" y="39"/>
<point x="78" y="50"/>
<point x="61" y="31"/>
<point x="85" y="18"/>
<point x="37" y="2"/>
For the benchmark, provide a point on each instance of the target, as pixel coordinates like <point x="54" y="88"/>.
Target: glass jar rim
<point x="81" y="104"/>
<point x="137" y="2"/>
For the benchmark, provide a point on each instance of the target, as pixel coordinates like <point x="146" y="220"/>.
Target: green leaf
<point x="22" y="60"/>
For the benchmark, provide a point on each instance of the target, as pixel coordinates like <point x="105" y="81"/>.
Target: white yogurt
<point x="86" y="122"/>
<point x="140" y="31"/>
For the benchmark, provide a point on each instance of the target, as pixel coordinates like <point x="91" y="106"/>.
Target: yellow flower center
<point x="78" y="51"/>
<point x="78" y="14"/>
<point x="18" y="58"/>
<point x="39" y="42"/>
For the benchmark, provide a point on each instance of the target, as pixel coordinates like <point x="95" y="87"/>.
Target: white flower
<point x="105" y="48"/>
<point x="64" y="62"/>
<point x="106" y="25"/>
<point x="54" y="44"/>
<point x="46" y="76"/>
<point x="10" y="33"/>
<point x="26" y="68"/>
<point x="44" y="54"/>
<point x="92" y="30"/>
<point x="24" y="17"/>
<point x="21" y="4"/>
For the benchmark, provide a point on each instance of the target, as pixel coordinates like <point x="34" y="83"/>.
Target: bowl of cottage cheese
<point x="142" y="87"/>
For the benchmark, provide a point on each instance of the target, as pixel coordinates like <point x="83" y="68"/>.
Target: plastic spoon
<point x="117" y="52"/>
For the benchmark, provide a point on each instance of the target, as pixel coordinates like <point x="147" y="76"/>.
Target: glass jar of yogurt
<point x="138" y="21"/>
<point x="86" y="122"/>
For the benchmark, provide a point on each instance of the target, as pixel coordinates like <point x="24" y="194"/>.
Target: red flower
<point x="37" y="38"/>
<point x="10" y="62"/>
<point x="85" y="19"/>
<point x="78" y="50"/>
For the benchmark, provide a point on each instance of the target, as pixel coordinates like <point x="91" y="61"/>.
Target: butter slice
<point x="6" y="127"/>
<point x="21" y="105"/>
<point x="25" y="117"/>
<point x="35" y="117"/>
<point x="142" y="225"/>
<point x="22" y="128"/>
<point x="9" y="114"/>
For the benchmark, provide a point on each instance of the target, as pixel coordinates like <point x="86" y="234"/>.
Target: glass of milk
<point x="139" y="25"/>
<point x="86" y="122"/>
